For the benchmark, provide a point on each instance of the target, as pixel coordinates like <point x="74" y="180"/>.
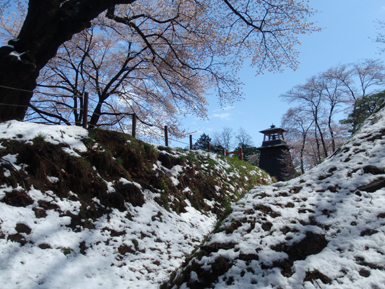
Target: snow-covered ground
<point x="104" y="265"/>
<point x="324" y="229"/>
<point x="138" y="249"/>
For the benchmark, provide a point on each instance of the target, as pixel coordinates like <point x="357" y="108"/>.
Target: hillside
<point x="100" y="209"/>
<point x="324" y="229"/>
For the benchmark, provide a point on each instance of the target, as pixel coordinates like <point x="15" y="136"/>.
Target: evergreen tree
<point x="363" y="108"/>
<point x="248" y="150"/>
<point x="219" y="149"/>
<point x="202" y="142"/>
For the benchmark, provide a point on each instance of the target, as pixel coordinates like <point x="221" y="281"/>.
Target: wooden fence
<point x="134" y="122"/>
<point x="166" y="138"/>
<point x="240" y="152"/>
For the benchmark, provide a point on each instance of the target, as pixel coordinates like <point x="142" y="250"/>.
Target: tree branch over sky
<point x="313" y="132"/>
<point x="381" y="35"/>
<point x="185" y="47"/>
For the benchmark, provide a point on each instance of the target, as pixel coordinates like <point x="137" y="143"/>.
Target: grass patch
<point x="136" y="244"/>
<point x="66" y="250"/>
<point x="163" y="185"/>
<point x="322" y="177"/>
<point x="164" y="200"/>
<point x="88" y="224"/>
<point x="119" y="161"/>
<point x="41" y="137"/>
<point x="192" y="158"/>
<point x="290" y="205"/>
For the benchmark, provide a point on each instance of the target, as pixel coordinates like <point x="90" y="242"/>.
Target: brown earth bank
<point x="127" y="192"/>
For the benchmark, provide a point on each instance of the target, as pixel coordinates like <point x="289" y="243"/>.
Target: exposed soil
<point x="110" y="156"/>
<point x="115" y="172"/>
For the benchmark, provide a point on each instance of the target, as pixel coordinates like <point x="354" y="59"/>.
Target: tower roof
<point x="273" y="129"/>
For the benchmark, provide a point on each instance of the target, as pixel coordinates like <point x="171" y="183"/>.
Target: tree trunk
<point x="318" y="157"/>
<point x="321" y="134"/>
<point x="332" y="136"/>
<point x="48" y="25"/>
<point x="331" y="129"/>
<point x="17" y="80"/>
<point x="301" y="152"/>
<point x="95" y="115"/>
<point x="322" y="141"/>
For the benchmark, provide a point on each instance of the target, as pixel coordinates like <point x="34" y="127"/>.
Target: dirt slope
<point x="324" y="229"/>
<point x="104" y="209"/>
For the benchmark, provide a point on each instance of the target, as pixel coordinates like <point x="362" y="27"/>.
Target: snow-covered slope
<point x="124" y="222"/>
<point x="324" y="229"/>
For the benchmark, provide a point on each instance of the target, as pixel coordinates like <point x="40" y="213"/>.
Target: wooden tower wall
<point x="277" y="162"/>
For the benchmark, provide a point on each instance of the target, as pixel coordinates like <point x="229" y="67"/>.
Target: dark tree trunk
<point x="318" y="156"/>
<point x="320" y="133"/>
<point x="322" y="141"/>
<point x="95" y="115"/>
<point x="332" y="136"/>
<point x="301" y="153"/>
<point x="49" y="23"/>
<point x="19" y="74"/>
<point x="330" y="127"/>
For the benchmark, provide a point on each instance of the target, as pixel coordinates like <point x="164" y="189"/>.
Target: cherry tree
<point x="224" y="139"/>
<point x="178" y="43"/>
<point x="297" y="123"/>
<point x="380" y="35"/>
<point x="314" y="129"/>
<point x="334" y="97"/>
<point x="110" y="73"/>
<point x="310" y="96"/>
<point x="352" y="82"/>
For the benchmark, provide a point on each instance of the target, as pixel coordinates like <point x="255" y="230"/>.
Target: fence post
<point x="240" y="154"/>
<point x="191" y="146"/>
<point x="85" y="110"/>
<point x="166" y="135"/>
<point x="209" y="148"/>
<point x="133" y="132"/>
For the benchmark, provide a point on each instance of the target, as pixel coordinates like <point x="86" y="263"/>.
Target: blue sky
<point x="348" y="33"/>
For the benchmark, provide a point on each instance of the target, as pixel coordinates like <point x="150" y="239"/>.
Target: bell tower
<point x="275" y="156"/>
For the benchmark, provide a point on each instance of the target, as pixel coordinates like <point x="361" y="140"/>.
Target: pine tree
<point x="363" y="108"/>
<point x="202" y="142"/>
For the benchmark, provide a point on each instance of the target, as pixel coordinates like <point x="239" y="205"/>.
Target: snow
<point x="59" y="134"/>
<point x="53" y="179"/>
<point x="157" y="240"/>
<point x="101" y="267"/>
<point x="332" y="200"/>
<point x="16" y="54"/>
<point x="11" y="159"/>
